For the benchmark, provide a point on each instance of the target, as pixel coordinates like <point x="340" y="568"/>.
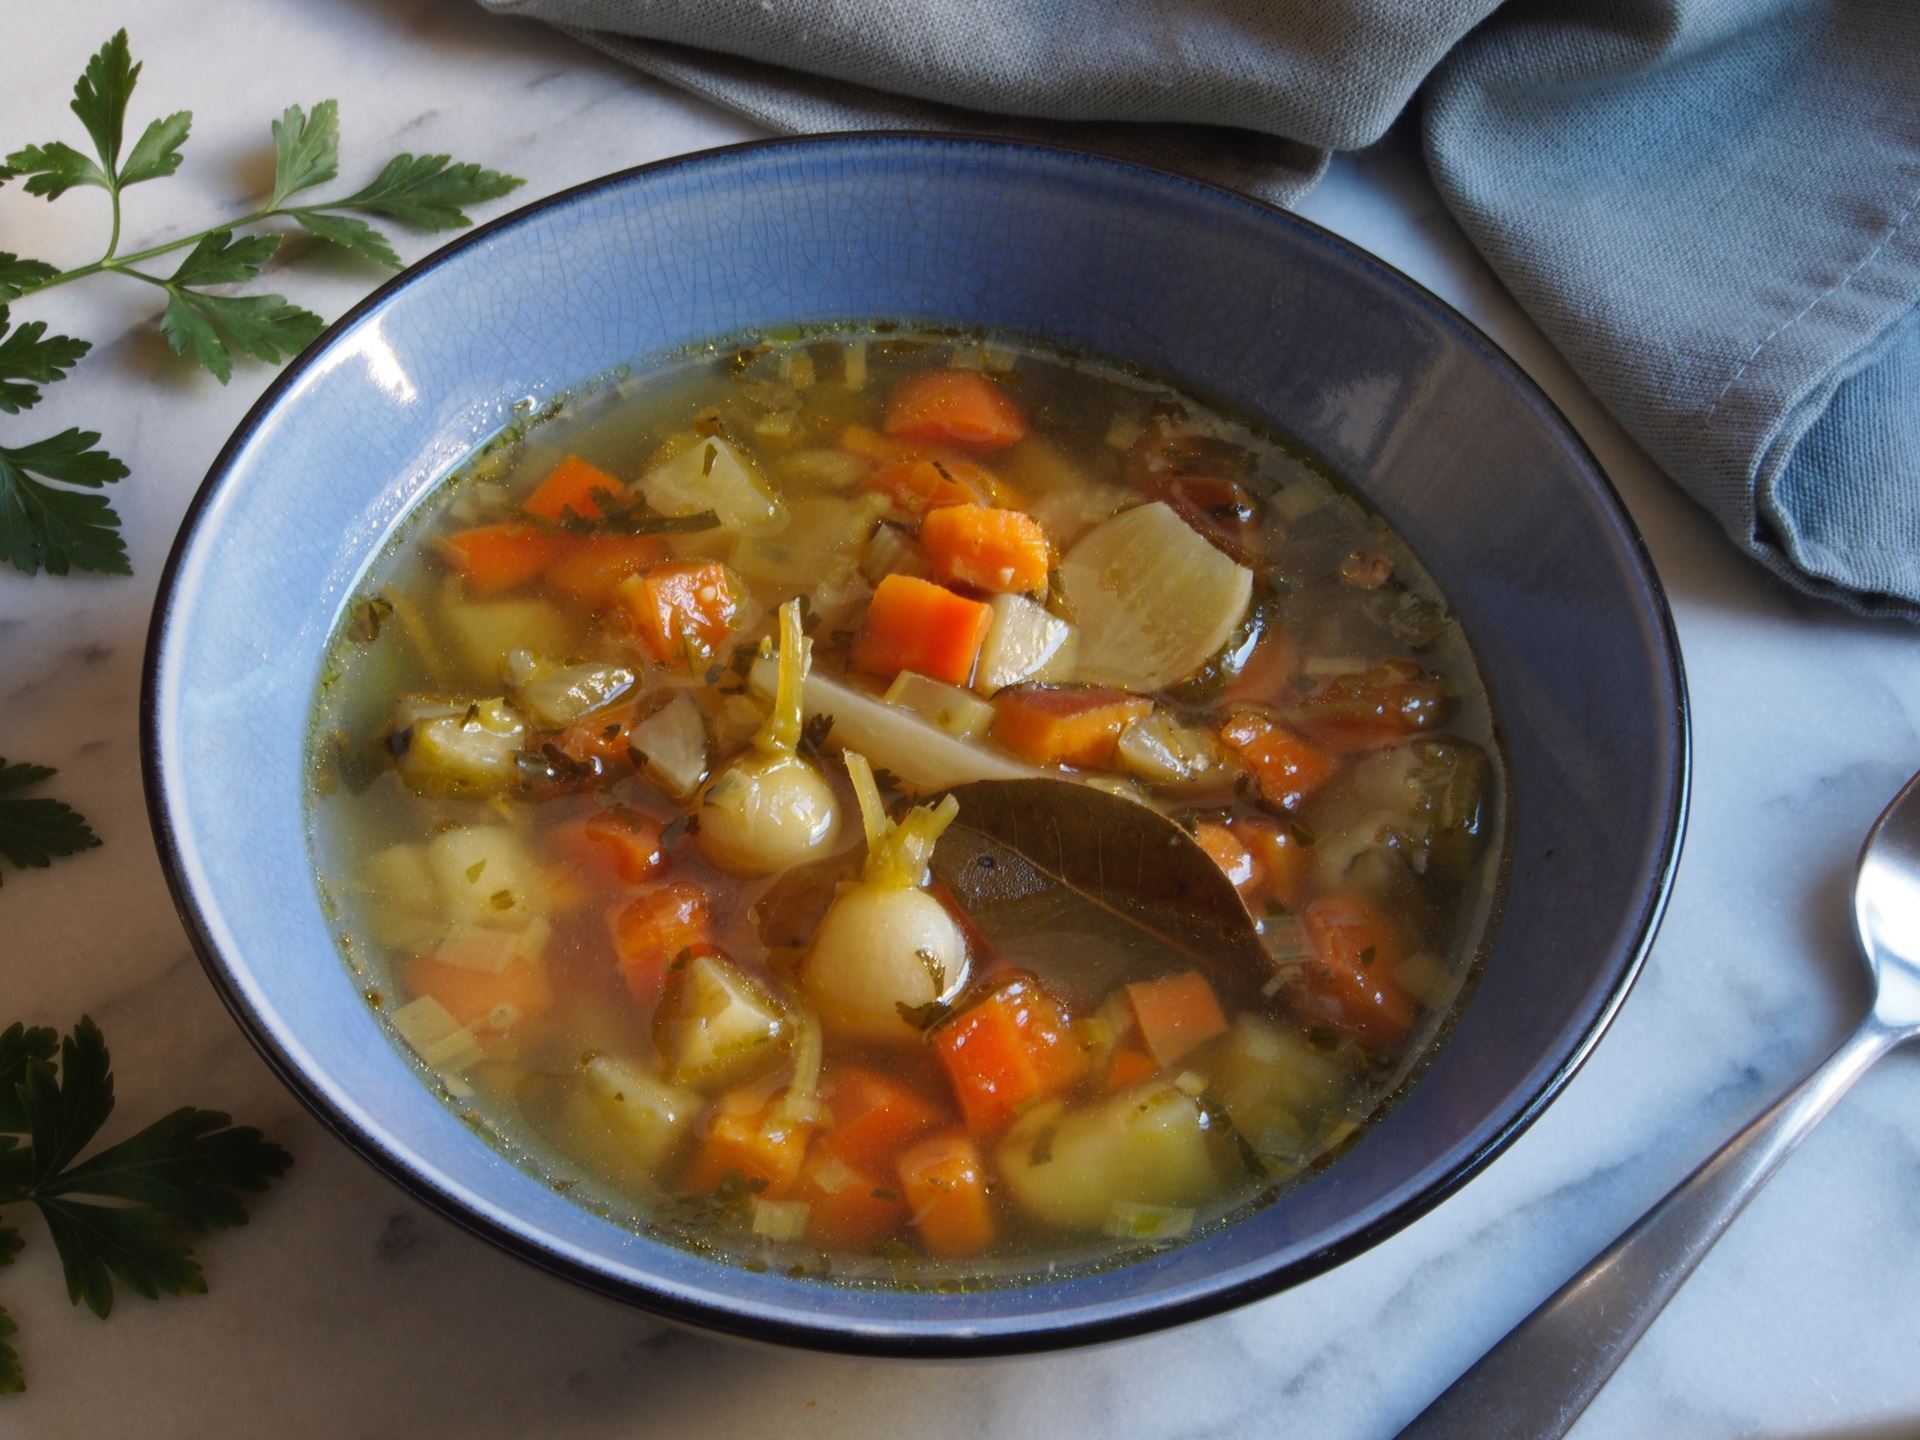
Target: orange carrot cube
<point x="492" y="558"/>
<point x="955" y="407"/>
<point x="1065" y="724"/>
<point x="987" y="549"/>
<point x="918" y="486"/>
<point x="754" y="1139"/>
<point x="481" y="999"/>
<point x="588" y="569"/>
<point x="1287" y="767"/>
<point x="944" y="1183"/>
<point x="870" y="1116"/>
<point x="848" y="1208"/>
<point x="1236" y="860"/>
<point x="1175" y="1014"/>
<point x="1349" y="983"/>
<point x="913" y="624"/>
<point x="652" y="928"/>
<point x="681" y="611"/>
<point x="574" y="487"/>
<point x="1005" y="1053"/>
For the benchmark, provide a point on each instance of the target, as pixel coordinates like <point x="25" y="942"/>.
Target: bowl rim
<point x="712" y="1315"/>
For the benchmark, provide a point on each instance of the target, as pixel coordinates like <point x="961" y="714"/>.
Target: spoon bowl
<point x="1585" y="1329"/>
<point x="1886" y="909"/>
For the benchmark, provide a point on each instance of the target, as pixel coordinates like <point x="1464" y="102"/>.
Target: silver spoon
<point x="1535" y="1383"/>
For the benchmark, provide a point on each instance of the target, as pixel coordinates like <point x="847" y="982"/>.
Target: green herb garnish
<point x="813" y="733"/>
<point x="368" y="617"/>
<point x="923" y="1017"/>
<point x="37" y="831"/>
<point x="48" y="518"/>
<point x="183" y="1175"/>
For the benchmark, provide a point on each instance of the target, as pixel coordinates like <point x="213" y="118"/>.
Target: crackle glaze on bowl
<point x="1271" y="316"/>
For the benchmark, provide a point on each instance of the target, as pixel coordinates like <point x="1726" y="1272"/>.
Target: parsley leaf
<point x="306" y="149"/>
<point x="44" y="526"/>
<point x="219" y="259"/>
<point x="18" y="274"/>
<point x="183" y="1175"/>
<point x="65" y="1108"/>
<point x="100" y="97"/>
<point x="30" y="358"/>
<point x="18" y="1045"/>
<point x="208" y="328"/>
<point x="55" y="168"/>
<point x="349" y="234"/>
<point x="12" y="1381"/>
<point x="427" y="191"/>
<point x="32" y="832"/>
<point x="99" y="1243"/>
<point x="156" y="154"/>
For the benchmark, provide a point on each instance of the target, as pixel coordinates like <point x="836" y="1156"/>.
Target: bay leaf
<point x="1090" y="889"/>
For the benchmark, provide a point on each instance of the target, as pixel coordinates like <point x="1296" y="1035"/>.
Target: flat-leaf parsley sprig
<point x="36" y="831"/>
<point x="51" y="516"/>
<point x="183" y="1175"/>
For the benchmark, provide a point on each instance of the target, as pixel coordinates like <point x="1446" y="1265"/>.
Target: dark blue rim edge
<point x="1038" y="1336"/>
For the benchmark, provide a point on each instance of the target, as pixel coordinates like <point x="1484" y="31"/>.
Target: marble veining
<point x="345" y="1310"/>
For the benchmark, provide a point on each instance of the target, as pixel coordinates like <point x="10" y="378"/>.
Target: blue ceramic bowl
<point x="1234" y="299"/>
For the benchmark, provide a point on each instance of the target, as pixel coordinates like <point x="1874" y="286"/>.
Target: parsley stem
<point x="113" y="240"/>
<point x="110" y="261"/>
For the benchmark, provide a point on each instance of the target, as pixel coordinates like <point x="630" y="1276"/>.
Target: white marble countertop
<point x="347" y="1310"/>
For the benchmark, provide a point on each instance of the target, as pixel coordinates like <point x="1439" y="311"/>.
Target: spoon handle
<point x="1537" y="1380"/>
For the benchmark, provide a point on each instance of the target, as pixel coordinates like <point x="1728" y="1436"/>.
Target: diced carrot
<point x="1286" y="866"/>
<point x="955" y="407"/>
<point x="870" y="444"/>
<point x="1006" y="1052"/>
<point x="848" y="1208"/>
<point x="944" y="1182"/>
<point x="913" y="624"/>
<point x="481" y="999"/>
<point x="1235" y="860"/>
<point x="1349" y="983"/>
<point x="1381" y="706"/>
<point x="992" y="550"/>
<point x="920" y="486"/>
<point x="599" y="741"/>
<point x="652" y="928"/>
<point x="752" y="1138"/>
<point x="1175" y="1014"/>
<point x="681" y="611"/>
<point x="589" y="568"/>
<point x="1287" y="767"/>
<point x="573" y="486"/>
<point x="870" y="1116"/>
<point x="1128" y="1067"/>
<point x="1064" y="724"/>
<point x="491" y="558"/>
<point x="623" y="843"/>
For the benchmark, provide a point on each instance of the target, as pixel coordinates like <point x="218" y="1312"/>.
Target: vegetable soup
<point x="905" y="808"/>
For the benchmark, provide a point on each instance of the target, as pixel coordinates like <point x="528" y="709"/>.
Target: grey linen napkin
<point x="1708" y="205"/>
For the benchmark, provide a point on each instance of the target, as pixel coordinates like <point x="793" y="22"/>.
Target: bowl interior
<point x="1269" y="315"/>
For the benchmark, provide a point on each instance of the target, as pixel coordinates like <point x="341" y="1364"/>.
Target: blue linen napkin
<point x="1708" y="205"/>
